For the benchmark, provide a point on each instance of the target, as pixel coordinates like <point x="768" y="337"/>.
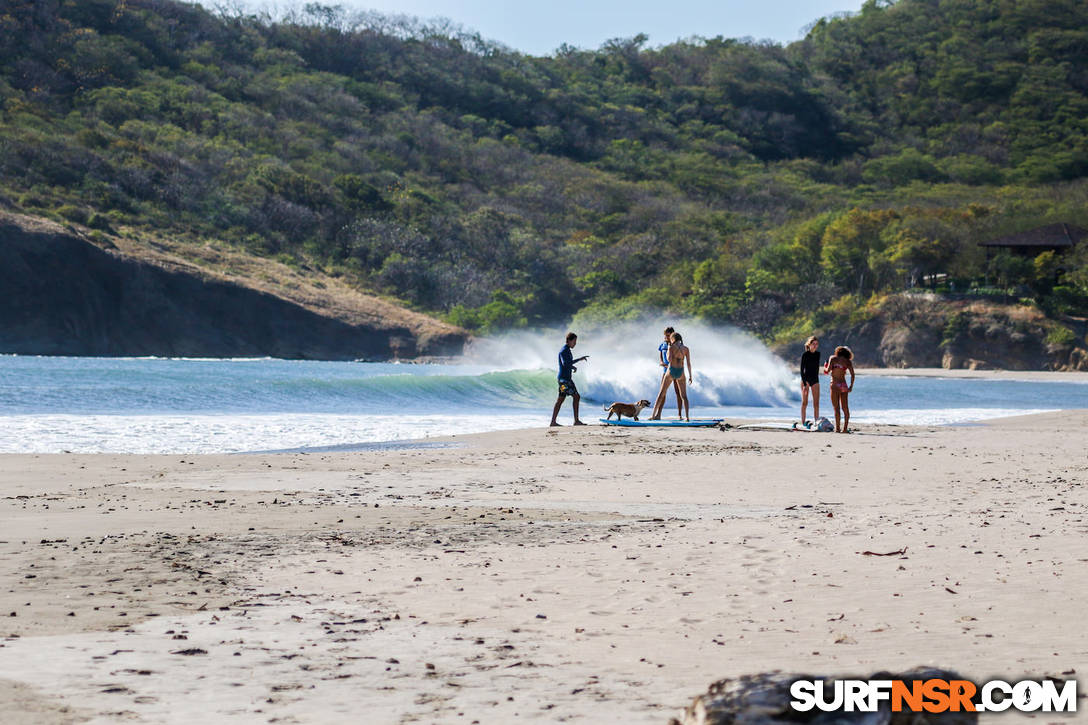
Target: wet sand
<point x="563" y="575"/>
<point x="1035" y="376"/>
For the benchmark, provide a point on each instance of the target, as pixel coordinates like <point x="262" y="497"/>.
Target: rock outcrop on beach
<point x="929" y="331"/>
<point x="70" y="293"/>
<point x="764" y="699"/>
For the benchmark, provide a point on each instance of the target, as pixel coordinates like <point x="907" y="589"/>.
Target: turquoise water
<point x="50" y="404"/>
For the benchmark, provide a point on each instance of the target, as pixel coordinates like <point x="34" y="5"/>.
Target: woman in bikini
<point x="678" y="353"/>
<point x="837" y="366"/>
<point x="663" y="359"/>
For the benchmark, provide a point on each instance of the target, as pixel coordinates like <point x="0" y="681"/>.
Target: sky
<point x="538" y="28"/>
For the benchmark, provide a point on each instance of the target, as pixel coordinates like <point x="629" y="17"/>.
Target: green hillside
<point x="774" y="187"/>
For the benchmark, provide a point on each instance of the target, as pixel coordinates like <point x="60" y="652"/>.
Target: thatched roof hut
<point x="1058" y="237"/>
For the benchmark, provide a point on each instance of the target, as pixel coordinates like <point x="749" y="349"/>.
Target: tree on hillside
<point x="851" y="248"/>
<point x="919" y="248"/>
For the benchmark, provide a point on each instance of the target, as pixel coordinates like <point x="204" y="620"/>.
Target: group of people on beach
<point x="837" y="366"/>
<point x="673" y="355"/>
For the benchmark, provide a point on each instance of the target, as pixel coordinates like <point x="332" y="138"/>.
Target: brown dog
<point x="631" y="410"/>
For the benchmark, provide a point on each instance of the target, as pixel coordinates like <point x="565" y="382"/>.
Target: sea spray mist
<point x="732" y="368"/>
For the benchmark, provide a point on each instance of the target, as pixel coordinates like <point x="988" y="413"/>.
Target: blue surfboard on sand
<point x="695" y="423"/>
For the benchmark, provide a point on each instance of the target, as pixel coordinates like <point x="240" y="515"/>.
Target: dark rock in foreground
<point x="764" y="699"/>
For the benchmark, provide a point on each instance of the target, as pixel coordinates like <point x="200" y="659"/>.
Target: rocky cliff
<point x="63" y="292"/>
<point x="928" y="331"/>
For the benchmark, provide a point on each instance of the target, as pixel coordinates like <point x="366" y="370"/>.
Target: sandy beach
<point x="563" y="575"/>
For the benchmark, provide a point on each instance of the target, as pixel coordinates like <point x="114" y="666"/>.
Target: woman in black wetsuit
<point x="810" y="378"/>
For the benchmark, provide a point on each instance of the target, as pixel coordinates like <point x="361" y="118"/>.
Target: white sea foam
<point x="232" y="433"/>
<point x="241" y="433"/>
<point x="923" y="416"/>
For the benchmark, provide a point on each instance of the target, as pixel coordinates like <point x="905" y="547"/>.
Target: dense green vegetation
<point x="765" y="185"/>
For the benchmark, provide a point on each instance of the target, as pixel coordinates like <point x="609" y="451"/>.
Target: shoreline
<point x="544" y="574"/>
<point x="1036" y="376"/>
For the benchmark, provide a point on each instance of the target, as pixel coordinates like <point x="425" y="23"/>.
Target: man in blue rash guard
<point x="566" y="379"/>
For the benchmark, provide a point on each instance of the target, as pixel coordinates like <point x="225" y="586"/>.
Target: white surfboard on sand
<point x="774" y="425"/>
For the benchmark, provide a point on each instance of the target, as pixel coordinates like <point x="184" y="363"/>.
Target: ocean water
<point x="149" y="405"/>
